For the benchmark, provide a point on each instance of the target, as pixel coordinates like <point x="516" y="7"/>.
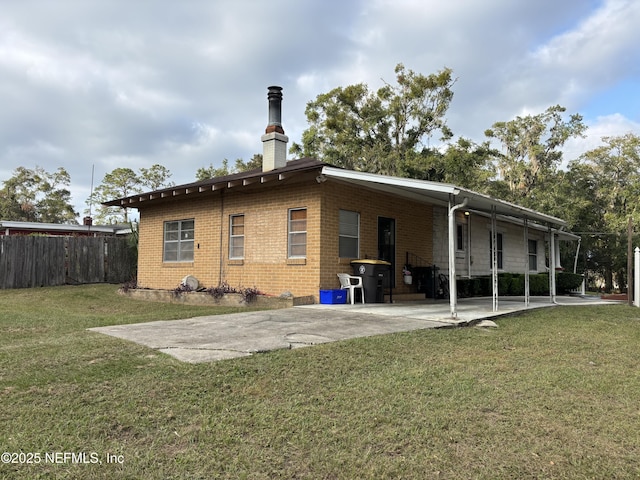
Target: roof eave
<point x="241" y="179"/>
<point x="390" y="180"/>
<point x="440" y="193"/>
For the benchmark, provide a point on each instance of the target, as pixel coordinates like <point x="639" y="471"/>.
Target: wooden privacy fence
<point x="32" y="261"/>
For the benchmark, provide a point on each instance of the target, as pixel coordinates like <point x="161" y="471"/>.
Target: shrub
<point x="504" y="283"/>
<point x="517" y="285"/>
<point x="565" y="281"/>
<point x="180" y="289"/>
<point x="221" y="290"/>
<point x="513" y="284"/>
<point x="132" y="284"/>
<point x="539" y="284"/>
<point x="464" y="287"/>
<point x="508" y="284"/>
<point x="482" y="286"/>
<point x="248" y="294"/>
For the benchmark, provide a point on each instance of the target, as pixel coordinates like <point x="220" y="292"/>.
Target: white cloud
<point x="116" y="83"/>
<point x="614" y="125"/>
<point x="598" y="51"/>
<point x="43" y="64"/>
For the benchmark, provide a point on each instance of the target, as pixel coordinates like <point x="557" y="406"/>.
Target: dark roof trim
<point x="220" y="183"/>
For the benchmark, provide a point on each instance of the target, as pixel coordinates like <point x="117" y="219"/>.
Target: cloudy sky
<point x="115" y="83"/>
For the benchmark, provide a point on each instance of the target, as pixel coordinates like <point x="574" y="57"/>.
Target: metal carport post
<point x="453" y="289"/>
<point x="526" y="263"/>
<point x="552" y="264"/>
<point x="494" y="259"/>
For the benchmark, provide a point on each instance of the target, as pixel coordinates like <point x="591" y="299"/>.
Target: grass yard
<point x="554" y="393"/>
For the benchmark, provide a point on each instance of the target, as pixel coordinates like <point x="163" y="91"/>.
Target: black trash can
<point x="376" y="276"/>
<point x="427" y="280"/>
<point x="432" y="282"/>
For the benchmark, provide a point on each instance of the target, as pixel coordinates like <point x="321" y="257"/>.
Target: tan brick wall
<point x="413" y="229"/>
<point x="152" y="271"/>
<point x="265" y="264"/>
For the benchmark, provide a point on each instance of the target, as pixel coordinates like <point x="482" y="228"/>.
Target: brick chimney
<point x="274" y="141"/>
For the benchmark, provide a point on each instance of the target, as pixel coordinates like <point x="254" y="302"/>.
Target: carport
<point x="455" y="198"/>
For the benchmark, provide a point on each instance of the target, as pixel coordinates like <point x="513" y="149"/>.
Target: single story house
<point x="87" y="229"/>
<point x="292" y="226"/>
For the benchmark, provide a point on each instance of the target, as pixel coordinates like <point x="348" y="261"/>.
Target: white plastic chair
<point x="346" y="282"/>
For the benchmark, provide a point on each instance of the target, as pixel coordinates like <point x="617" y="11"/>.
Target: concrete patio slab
<point x="220" y="337"/>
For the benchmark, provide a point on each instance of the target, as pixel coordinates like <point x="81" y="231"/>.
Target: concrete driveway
<point x="219" y="337"/>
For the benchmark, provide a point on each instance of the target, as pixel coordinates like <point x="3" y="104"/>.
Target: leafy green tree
<point x="35" y="195"/>
<point x="155" y="177"/>
<point x="463" y="163"/>
<point x="123" y="182"/>
<point x="120" y="182"/>
<point x="253" y="164"/>
<point x="205" y="173"/>
<point x="532" y="151"/>
<point x="603" y="192"/>
<point x="382" y="131"/>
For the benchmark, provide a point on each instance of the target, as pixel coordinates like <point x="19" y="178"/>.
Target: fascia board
<point x="424" y="185"/>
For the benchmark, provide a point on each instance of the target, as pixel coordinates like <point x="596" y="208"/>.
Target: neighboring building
<point x="52" y="229"/>
<point x="293" y="225"/>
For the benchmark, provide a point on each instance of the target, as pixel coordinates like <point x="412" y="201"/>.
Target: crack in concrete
<point x="204" y="349"/>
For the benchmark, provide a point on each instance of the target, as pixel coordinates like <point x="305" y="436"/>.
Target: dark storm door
<point x="387" y="244"/>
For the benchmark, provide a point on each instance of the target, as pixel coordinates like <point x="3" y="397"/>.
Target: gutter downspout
<point x="583" y="287"/>
<point x="220" y="268"/>
<point x="575" y="260"/>
<point x="453" y="292"/>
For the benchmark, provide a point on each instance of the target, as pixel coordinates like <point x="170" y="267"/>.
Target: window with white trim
<point x="460" y="237"/>
<point x="499" y="254"/>
<point x="348" y="234"/>
<point x="297" y="241"/>
<point x="533" y="255"/>
<point x="236" y="237"/>
<point x="178" y="241"/>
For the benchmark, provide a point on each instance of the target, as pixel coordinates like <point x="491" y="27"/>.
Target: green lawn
<point x="554" y="393"/>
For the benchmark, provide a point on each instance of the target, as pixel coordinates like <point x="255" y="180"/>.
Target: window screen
<point x="349" y="234"/>
<point x="178" y="241"/>
<point x="297" y="233"/>
<point x="533" y="255"/>
<point x="499" y="253"/>
<point x="236" y="236"/>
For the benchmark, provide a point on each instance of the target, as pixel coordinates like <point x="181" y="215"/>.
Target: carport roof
<point x="439" y="193"/>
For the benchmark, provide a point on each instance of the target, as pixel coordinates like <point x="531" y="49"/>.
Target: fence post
<point x="636" y="284"/>
<point x="630" y="282"/>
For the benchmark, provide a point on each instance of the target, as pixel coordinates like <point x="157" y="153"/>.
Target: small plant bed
<point x="614" y="296"/>
<point x="223" y="295"/>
